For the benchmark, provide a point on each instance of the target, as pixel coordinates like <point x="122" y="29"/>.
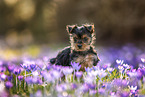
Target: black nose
<point x="79" y="45"/>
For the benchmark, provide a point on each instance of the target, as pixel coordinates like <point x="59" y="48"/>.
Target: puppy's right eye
<point x="85" y="39"/>
<point x="75" y="39"/>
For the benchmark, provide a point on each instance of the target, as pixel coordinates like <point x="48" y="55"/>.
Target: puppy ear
<point x="90" y="28"/>
<point x="69" y="28"/>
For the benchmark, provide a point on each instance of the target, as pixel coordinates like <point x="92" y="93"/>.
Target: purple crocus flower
<point x="120" y="68"/>
<point x="65" y="86"/>
<point x="88" y="69"/>
<point x="101" y="91"/>
<point x="2" y="69"/>
<point x="73" y="86"/>
<point x="11" y="68"/>
<point x="103" y="85"/>
<point x="76" y="66"/>
<point x="67" y="70"/>
<point x="57" y="67"/>
<point x="113" y="94"/>
<point x="120" y="62"/>
<point x="126" y="66"/>
<point x="96" y="67"/>
<point x="20" y="77"/>
<point x="39" y="81"/>
<point x="121" y="83"/>
<point x="3" y="77"/>
<point x="8" y="85"/>
<point x="105" y="67"/>
<point x="110" y="69"/>
<point x="59" y="88"/>
<point x="93" y="73"/>
<point x="62" y="87"/>
<point x="33" y="67"/>
<point x="17" y="71"/>
<point x="124" y="94"/>
<point x="139" y="74"/>
<point x="84" y="88"/>
<point x="117" y="82"/>
<point x="132" y="74"/>
<point x="143" y="60"/>
<point x="124" y="83"/>
<point x="102" y="73"/>
<point x="79" y="74"/>
<point x="48" y="67"/>
<point x="92" y="86"/>
<point x="24" y="65"/>
<point x="109" y="85"/>
<point x="38" y="94"/>
<point x="134" y="82"/>
<point x="133" y="70"/>
<point x="47" y="76"/>
<point x="34" y="80"/>
<point x="9" y="78"/>
<point x="144" y="79"/>
<point x="28" y="80"/>
<point x="44" y="73"/>
<point x="133" y="90"/>
<point x="89" y="79"/>
<point x="143" y="71"/>
<point x="56" y="74"/>
<point x="92" y="92"/>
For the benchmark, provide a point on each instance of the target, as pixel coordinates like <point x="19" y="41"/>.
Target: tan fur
<point x="84" y="36"/>
<point x="92" y="25"/>
<point x="85" y="61"/>
<point x="85" y="46"/>
<point x="67" y="28"/>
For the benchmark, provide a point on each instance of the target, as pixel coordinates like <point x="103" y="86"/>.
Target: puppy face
<point x="81" y="36"/>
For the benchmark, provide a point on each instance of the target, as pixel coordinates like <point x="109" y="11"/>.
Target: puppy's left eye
<point x="85" y="39"/>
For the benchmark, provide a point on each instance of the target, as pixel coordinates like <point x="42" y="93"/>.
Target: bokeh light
<point x="10" y="2"/>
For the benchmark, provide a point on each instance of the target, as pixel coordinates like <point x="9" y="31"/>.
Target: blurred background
<point x="30" y="25"/>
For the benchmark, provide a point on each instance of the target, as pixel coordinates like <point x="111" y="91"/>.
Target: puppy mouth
<point x="79" y="47"/>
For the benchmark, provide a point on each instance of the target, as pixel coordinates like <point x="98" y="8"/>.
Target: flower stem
<point x="70" y="78"/>
<point x="66" y="79"/>
<point x="78" y="80"/>
<point x="25" y="81"/>
<point x="16" y="81"/>
<point x="74" y="76"/>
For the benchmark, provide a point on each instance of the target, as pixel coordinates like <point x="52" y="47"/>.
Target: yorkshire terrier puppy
<point x="81" y="50"/>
